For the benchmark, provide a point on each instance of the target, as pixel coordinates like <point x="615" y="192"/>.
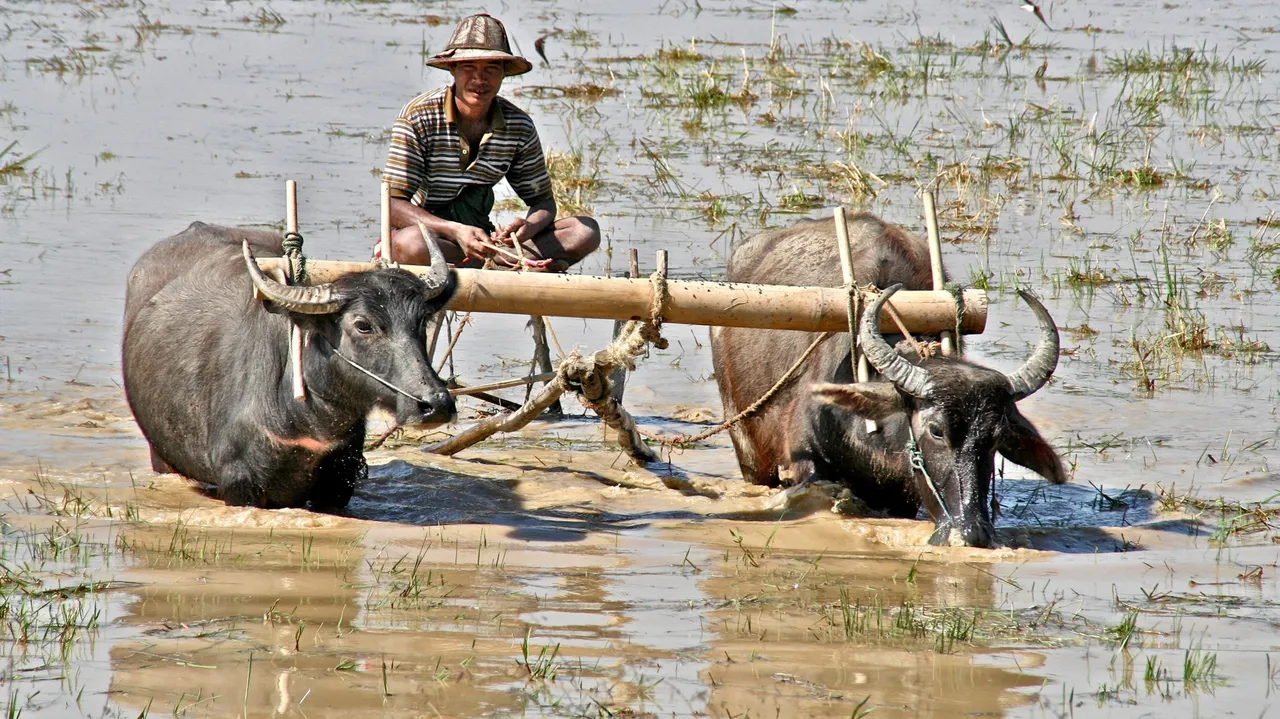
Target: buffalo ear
<point x="872" y="400"/>
<point x="1020" y="442"/>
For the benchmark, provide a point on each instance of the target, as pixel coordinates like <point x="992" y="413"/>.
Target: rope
<point x="902" y="327"/>
<point x="292" y="246"/>
<point x="685" y="440"/>
<point x="462" y="324"/>
<point x="916" y="459"/>
<point x="661" y="297"/>
<point x="957" y="293"/>
<point x="453" y="341"/>
<point x="385" y="382"/>
<point x="855" y="316"/>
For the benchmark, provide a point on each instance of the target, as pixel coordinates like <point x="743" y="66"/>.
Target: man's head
<point x="480" y="38"/>
<point x="476" y="82"/>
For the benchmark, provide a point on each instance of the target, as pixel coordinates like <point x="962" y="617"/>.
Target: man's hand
<point x="474" y="241"/>
<point x="513" y="231"/>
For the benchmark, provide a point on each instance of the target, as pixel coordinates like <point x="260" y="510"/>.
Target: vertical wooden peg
<point x="935" y="261"/>
<point x="385" y="213"/>
<point x="858" y="364"/>
<point x="295" y="332"/>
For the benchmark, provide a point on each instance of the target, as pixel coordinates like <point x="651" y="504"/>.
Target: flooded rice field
<point x="1121" y="160"/>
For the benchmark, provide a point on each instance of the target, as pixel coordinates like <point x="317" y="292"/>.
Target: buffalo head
<point x="365" y="337"/>
<point x="958" y="414"/>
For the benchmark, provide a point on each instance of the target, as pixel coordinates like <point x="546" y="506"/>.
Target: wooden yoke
<point x="691" y="302"/>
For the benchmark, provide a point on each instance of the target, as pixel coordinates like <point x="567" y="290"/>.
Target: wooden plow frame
<point x="640" y="307"/>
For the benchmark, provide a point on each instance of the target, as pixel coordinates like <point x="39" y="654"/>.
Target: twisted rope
<point x="915" y="458"/>
<point x="683" y="440"/>
<point x="661" y="297"/>
<point x="957" y="293"/>
<point x="292" y="246"/>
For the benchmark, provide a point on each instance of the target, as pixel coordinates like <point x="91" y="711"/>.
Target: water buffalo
<point x="957" y="413"/>
<point x="208" y="377"/>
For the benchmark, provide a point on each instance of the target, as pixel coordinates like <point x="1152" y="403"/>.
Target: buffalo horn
<point x="438" y="277"/>
<point x="892" y="366"/>
<point x="317" y="300"/>
<point x="1039" y="367"/>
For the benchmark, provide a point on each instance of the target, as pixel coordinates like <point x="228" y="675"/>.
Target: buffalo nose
<point x="977" y="534"/>
<point x="438" y="406"/>
<point x="950" y="533"/>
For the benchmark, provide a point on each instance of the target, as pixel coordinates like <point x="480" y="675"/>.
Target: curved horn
<point x="318" y="300"/>
<point x="438" y="277"/>
<point x="894" y="367"/>
<point x="1039" y="367"/>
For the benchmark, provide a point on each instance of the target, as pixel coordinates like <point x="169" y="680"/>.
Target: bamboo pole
<point x="509" y="422"/>
<point x="295" y="332"/>
<point x="503" y="384"/>
<point x="385" y="238"/>
<point x="807" y="309"/>
<point x="861" y="371"/>
<point x="935" y="261"/>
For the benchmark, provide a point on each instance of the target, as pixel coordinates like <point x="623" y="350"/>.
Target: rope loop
<point x="292" y="246"/>
<point x="957" y="293"/>
<point x="292" y="242"/>
<point x="661" y="298"/>
<point x="685" y="440"/>
<point x="915" y="458"/>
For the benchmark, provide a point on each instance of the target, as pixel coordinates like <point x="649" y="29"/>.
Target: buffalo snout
<point x="432" y="407"/>
<point x="438" y="408"/>
<point x="972" y="533"/>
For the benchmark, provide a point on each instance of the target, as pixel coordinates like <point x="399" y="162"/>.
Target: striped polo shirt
<point x="426" y="162"/>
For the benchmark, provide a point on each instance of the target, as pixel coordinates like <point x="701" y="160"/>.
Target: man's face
<point x="476" y="83"/>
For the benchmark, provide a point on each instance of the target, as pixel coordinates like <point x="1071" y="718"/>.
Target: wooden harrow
<point x="644" y="305"/>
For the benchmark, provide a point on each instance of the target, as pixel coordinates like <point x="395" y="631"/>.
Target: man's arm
<point x="540" y="217"/>
<point x="528" y="176"/>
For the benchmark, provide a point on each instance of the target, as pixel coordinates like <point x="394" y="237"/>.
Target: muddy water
<point x="673" y="589"/>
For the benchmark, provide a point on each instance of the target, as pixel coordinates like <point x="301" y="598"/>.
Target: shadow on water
<point x="1070" y="518"/>
<point x="400" y="491"/>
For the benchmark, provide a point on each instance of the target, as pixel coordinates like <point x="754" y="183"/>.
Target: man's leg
<point x="566" y="242"/>
<point x="409" y="248"/>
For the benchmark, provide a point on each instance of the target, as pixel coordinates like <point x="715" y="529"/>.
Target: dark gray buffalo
<point x="958" y="414"/>
<point x="207" y="372"/>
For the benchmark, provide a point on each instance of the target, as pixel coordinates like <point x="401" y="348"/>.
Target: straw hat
<point x="480" y="37"/>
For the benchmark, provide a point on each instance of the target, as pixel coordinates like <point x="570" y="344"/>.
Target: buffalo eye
<point x="362" y="326"/>
<point x="935" y="430"/>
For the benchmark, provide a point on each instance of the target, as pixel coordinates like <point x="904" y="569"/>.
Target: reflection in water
<point x="223" y="611"/>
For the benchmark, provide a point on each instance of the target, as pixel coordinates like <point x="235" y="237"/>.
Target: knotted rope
<point x="915" y="458"/>
<point x="685" y="440"/>
<point x="661" y="298"/>
<point x="957" y="293"/>
<point x="588" y="377"/>
<point x="292" y="246"/>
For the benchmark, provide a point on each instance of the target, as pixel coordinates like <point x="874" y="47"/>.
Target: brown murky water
<point x="1123" y="165"/>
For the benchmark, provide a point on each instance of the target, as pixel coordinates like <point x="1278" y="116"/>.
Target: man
<point x="450" y="146"/>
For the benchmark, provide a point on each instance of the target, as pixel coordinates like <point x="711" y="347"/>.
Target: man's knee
<point x="406" y="244"/>
<point x="411" y="248"/>
<point x="582" y="236"/>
